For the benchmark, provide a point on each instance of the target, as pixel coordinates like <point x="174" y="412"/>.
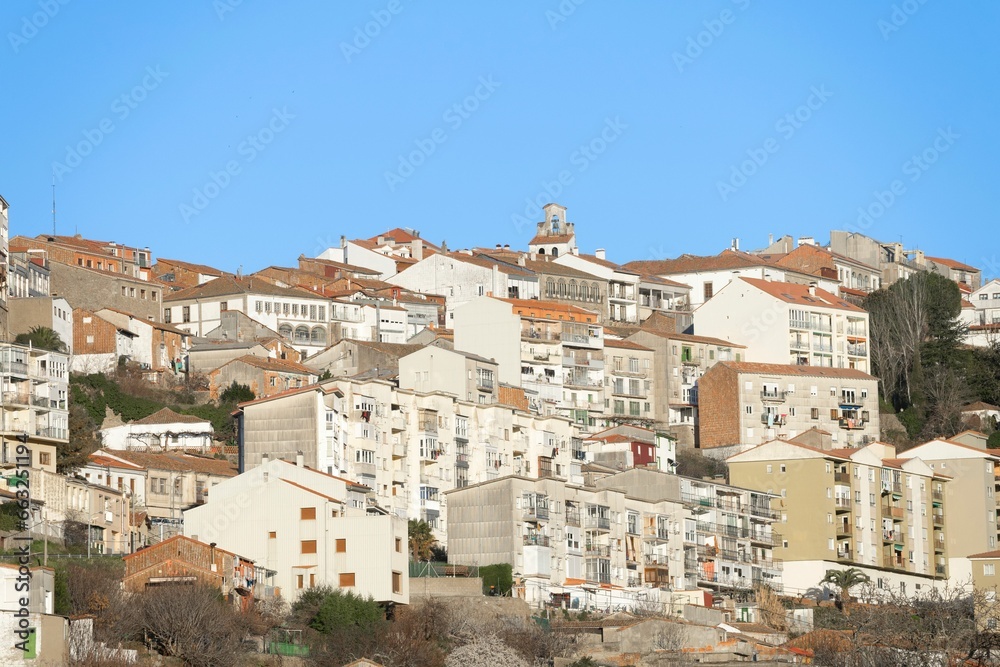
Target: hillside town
<point x="654" y="451"/>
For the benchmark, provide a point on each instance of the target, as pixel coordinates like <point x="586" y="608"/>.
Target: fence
<point x="420" y="569"/>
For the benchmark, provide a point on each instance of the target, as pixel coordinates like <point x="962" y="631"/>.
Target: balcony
<point x="842" y="503"/>
<point x="398" y="450"/>
<point x="891" y="536"/>
<point x="843" y="529"/>
<point x="857" y="350"/>
<point x="937" y="518"/>
<point x="842" y="477"/>
<point x="536" y="513"/>
<point x="763" y="513"/>
<point x="656" y="532"/>
<point x="941" y="570"/>
<point x="572" y="517"/>
<point x="770" y="539"/>
<point x="844" y="554"/>
<point x="799" y="345"/>
<point x="776" y="396"/>
<point x="892" y="563"/>
<point x="52" y="432"/>
<point x="15" y="398"/>
<point x="895" y="512"/>
<point x="771" y="419"/>
<point x="428" y="426"/>
<point x="597" y="551"/>
<point x="937" y="496"/>
<point x="852" y="424"/>
<point x="397" y="423"/>
<point x="598" y="522"/>
<point x="656" y="560"/>
<point x="536" y="540"/>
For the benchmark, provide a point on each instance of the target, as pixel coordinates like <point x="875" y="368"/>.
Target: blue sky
<point x="245" y="133"/>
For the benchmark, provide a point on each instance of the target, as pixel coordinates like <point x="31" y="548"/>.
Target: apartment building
<point x="622" y="284"/>
<point x="464" y="375"/>
<point x="679" y="361"/>
<point x="639" y="529"/>
<point x="5" y="281"/>
<point x="266" y="376"/>
<point x="750" y="403"/>
<point x="93" y="289"/>
<point x="386" y="253"/>
<point x="461" y="277"/>
<point x="51" y="312"/>
<point x="629" y="375"/>
<point x="985" y="580"/>
<point x="786" y="323"/>
<point x="309" y="528"/>
<point x="968" y="278"/>
<point x="666" y="297"/>
<point x="100" y="514"/>
<point x="707" y="275"/>
<point x="28" y="275"/>
<point x="296" y="314"/>
<point x="891" y="259"/>
<point x="986" y="305"/>
<point x="813" y="259"/>
<point x="45" y="640"/>
<point x="101" y="255"/>
<point x="975" y="488"/>
<point x="552" y="350"/>
<point x="407" y="446"/>
<point x="860" y="507"/>
<point x="180" y="275"/>
<point x="628" y="446"/>
<point x="34" y="388"/>
<point x="162" y="484"/>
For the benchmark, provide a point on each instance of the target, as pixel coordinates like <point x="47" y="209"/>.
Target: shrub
<point x="500" y="576"/>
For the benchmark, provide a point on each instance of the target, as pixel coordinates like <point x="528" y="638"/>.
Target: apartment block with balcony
<point x="467" y="376"/>
<point x="553" y="350"/>
<point x="975" y="488"/>
<point x="665" y="297"/>
<point x="843" y="508"/>
<point x="788" y="323"/>
<point x="34" y="386"/>
<point x="752" y="403"/>
<point x="679" y="361"/>
<point x="630" y="391"/>
<point x="626" y="530"/>
<point x="622" y="284"/>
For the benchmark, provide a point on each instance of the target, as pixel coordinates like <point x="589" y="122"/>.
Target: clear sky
<point x="244" y="133"/>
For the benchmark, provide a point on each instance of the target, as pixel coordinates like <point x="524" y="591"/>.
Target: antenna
<point x="53" y="205"/>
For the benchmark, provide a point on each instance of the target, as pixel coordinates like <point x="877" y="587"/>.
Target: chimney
<point x="520" y="260"/>
<point x="812" y="289"/>
<point x="599" y="253"/>
<point x="736" y="244"/>
<point x="499" y="246"/>
<point x="417" y="249"/>
<point x="343" y="241"/>
<point x="300" y="460"/>
<point x="264" y="459"/>
<point x="918" y="257"/>
<point x="444" y="247"/>
<point x="576" y="251"/>
<point x="770" y="240"/>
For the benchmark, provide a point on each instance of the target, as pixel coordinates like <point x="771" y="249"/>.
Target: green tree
<point x="421" y="539"/>
<point x="994" y="440"/>
<point x="43" y="338"/>
<point x="83" y="440"/>
<point x="845" y="580"/>
<point x="236" y="393"/>
<point x="328" y="610"/>
<point x="498" y="579"/>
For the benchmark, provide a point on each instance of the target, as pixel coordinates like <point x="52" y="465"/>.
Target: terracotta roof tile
<point x="804" y="371"/>
<point x="179" y="463"/>
<point x="269" y="364"/>
<point x="801" y="295"/>
<point x="727" y="259"/>
<point x="951" y="264"/>
<point x="168" y="416"/>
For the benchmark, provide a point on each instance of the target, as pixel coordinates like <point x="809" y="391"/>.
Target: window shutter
<point x="833" y="413"/>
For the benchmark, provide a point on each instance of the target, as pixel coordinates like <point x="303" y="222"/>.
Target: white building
<point x="311" y="528"/>
<point x="301" y="316"/>
<point x="623" y="284"/>
<point x="161" y="431"/>
<point x="787" y="323"/>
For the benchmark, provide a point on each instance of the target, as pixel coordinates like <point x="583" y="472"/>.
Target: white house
<point x="160" y="431"/>
<point x="311" y="528"/>
<point x="623" y="284"/>
<point x="787" y="323"/>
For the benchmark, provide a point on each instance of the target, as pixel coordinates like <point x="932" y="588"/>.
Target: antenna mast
<point x="53" y="206"/>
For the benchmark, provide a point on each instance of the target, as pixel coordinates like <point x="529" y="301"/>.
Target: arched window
<point x="572" y="289"/>
<point x="302" y="334"/>
<point x="285" y="331"/>
<point x="550" y="287"/>
<point x="584" y="292"/>
<point x="595" y="292"/>
<point x="562" y="288"/>
<point x="555" y="252"/>
<point x="319" y="335"/>
<point x="541" y="251"/>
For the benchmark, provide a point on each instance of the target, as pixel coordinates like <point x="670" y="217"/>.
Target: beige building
<point x="861" y="508"/>
<point x="985" y="579"/>
<point x="752" y="403"/>
<point x="464" y="375"/>
<point x="639" y="529"/>
<point x="310" y="528"/>
<point x="630" y="391"/>
<point x="975" y="488"/>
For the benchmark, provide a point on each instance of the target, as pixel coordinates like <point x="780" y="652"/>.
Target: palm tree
<point x="422" y="540"/>
<point x="845" y="580"/>
<point x="43" y="338"/>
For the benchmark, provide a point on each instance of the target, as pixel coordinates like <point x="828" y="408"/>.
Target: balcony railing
<point x="940" y="569"/>
<point x="891" y="536"/>
<point x="656" y="560"/>
<point x="842" y="502"/>
<point x="853" y="424"/>
<point x="894" y="512"/>
<point x="857" y="350"/>
<point x="773" y="395"/>
<point x="842" y="477"/>
<point x="597" y="551"/>
<point x="598" y="522"/>
<point x="536" y="540"/>
<point x="772" y="419"/>
<point x="18" y="367"/>
<point x="937" y="495"/>
<point x="572" y="517"/>
<point x="15" y="398"/>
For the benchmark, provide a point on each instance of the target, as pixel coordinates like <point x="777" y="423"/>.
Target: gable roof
<point x="228" y="285"/>
<point x="269" y="364"/>
<point x="178" y="462"/>
<point x="168" y="416"/>
<point x="727" y="259"/>
<point x="800" y="294"/>
<point x="190" y="266"/>
<point x="951" y="263"/>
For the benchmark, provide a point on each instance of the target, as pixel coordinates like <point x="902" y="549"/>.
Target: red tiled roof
<point x="625" y="345"/>
<point x="801" y="295"/>
<point x="541" y="239"/>
<point x="168" y="416"/>
<point x="805" y="371"/>
<point x="727" y="259"/>
<point x="179" y="463"/>
<point x="985" y="554"/>
<point x="197" y="268"/>
<point x="313" y="491"/>
<point x="951" y="264"/>
<point x="269" y="364"/>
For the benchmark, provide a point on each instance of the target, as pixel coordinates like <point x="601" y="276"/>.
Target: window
<point x="299" y="580"/>
<point x="272" y="535"/>
<point x="44" y="458"/>
<point x="308" y="547"/>
<point x="397" y="582"/>
<point x="989" y="569"/>
<point x="312" y="580"/>
<point x="166" y="315"/>
<point x="186" y="314"/>
<point x="90" y="339"/>
<point x="365" y="456"/>
<point x="769" y="469"/>
<point x="707" y="290"/>
<point x="814" y="413"/>
<point x="346" y="579"/>
<point x="782" y="468"/>
<point x="399" y="545"/>
<point x="307" y="513"/>
<point x="341" y="546"/>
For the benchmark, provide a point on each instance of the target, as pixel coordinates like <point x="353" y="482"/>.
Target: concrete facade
<point x="92" y="290"/>
<point x="50" y="312"/>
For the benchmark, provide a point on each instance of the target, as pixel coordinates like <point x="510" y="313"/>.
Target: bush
<point x="994" y="440"/>
<point x="236" y="393"/>
<point x="327" y="610"/>
<point x="500" y="576"/>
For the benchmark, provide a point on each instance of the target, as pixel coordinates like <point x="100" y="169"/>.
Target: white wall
<point x="488" y="327"/>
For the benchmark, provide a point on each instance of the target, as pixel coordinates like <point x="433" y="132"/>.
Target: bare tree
<point x="486" y="651"/>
